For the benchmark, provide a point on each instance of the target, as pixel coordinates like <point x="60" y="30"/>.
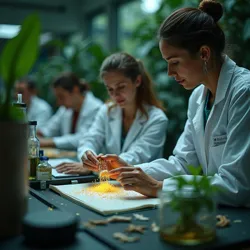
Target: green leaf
<point x="204" y="183"/>
<point x="15" y="114"/>
<point x="175" y="3"/>
<point x="20" y="52"/>
<point x="180" y="181"/>
<point x="96" y="51"/>
<point x="194" y="170"/>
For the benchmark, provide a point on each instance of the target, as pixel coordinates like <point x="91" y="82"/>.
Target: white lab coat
<point x="223" y="148"/>
<point x="39" y="110"/>
<point x="59" y="126"/>
<point x="144" y="141"/>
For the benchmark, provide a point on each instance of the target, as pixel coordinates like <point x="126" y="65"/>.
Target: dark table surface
<point x="83" y="240"/>
<point x="236" y="236"/>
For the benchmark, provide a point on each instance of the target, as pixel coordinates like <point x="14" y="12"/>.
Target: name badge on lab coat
<point x="219" y="140"/>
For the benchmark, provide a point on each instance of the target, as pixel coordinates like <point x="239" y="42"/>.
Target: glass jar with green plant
<point x="187" y="214"/>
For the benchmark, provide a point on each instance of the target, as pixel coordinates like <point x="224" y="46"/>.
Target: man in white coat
<point x="217" y="132"/>
<point x="76" y="112"/>
<point x="37" y="109"/>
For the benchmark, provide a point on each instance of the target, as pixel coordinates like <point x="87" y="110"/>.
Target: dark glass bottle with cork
<point x="33" y="150"/>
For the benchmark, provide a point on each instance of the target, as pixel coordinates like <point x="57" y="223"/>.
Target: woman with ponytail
<point x="217" y="132"/>
<point x="132" y="125"/>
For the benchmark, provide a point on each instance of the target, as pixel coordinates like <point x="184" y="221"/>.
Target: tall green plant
<point x="83" y="57"/>
<point x="236" y="24"/>
<point x="173" y="96"/>
<point x="17" y="58"/>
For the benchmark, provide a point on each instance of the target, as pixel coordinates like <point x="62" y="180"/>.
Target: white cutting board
<point x="105" y="203"/>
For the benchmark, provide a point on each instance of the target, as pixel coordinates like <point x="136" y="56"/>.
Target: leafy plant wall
<point x="85" y="57"/>
<point x="78" y="55"/>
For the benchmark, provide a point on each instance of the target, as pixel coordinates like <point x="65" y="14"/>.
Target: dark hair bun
<point x="212" y="8"/>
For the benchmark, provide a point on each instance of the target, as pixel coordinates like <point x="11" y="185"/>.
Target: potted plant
<point x="17" y="57"/>
<point x="187" y="214"/>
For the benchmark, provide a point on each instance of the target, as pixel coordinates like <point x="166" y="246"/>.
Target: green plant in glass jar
<point x="187" y="214"/>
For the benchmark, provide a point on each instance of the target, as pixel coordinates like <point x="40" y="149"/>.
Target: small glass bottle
<point x="33" y="150"/>
<point x="44" y="169"/>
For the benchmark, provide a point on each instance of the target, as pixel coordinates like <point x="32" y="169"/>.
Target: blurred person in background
<point x="37" y="109"/>
<point x="75" y="115"/>
<point x="132" y="125"/>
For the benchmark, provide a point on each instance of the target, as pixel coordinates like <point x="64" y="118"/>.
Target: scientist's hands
<point x="113" y="161"/>
<point x="90" y="161"/>
<point x="72" y="168"/>
<point x="135" y="179"/>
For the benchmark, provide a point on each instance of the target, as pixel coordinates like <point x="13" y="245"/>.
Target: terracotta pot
<point x="14" y="177"/>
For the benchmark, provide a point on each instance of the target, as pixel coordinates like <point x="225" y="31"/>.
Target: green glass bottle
<point x="33" y="150"/>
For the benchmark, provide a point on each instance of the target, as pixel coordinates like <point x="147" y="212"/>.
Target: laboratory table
<point x="236" y="236"/>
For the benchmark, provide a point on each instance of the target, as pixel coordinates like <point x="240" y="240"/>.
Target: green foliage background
<point x="84" y="58"/>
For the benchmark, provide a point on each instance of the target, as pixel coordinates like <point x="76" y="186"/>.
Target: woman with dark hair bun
<point x="216" y="135"/>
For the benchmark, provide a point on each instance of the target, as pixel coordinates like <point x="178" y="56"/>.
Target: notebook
<point x="56" y="162"/>
<point x="105" y="204"/>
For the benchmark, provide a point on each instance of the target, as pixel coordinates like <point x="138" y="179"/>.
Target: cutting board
<point x="107" y="203"/>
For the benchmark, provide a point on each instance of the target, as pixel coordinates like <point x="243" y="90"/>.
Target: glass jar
<point x="44" y="169"/>
<point x="187" y="217"/>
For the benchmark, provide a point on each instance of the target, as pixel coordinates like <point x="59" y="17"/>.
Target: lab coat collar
<point x="115" y="121"/>
<point x="87" y="104"/>
<point x="134" y="130"/>
<point x="225" y="76"/>
<point x="198" y="122"/>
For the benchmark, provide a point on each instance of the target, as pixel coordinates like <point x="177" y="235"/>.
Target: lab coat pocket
<point x="216" y="154"/>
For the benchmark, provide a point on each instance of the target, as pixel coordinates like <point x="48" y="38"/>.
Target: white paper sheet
<point x="105" y="203"/>
<point x="56" y="162"/>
